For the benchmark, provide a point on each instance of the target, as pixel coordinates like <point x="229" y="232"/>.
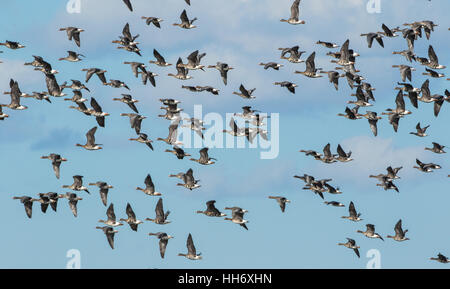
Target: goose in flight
<point x="111" y="221"/>
<point x="37" y="62"/>
<point x="289" y="85"/>
<point x="437" y="148"/>
<point x="189" y="181"/>
<point x="171" y="139"/>
<point x="245" y="93"/>
<point x="44" y="200"/>
<point x="161" y="217"/>
<point x="204" y="158"/>
<point x="351" y="113"/>
<point x="235" y="130"/>
<point x="73" y="201"/>
<point x="433" y="73"/>
<point x="99" y="72"/>
<point x="273" y="65"/>
<point x="128" y="100"/>
<point x="117" y="84"/>
<point x="334" y="204"/>
<point x="333" y="77"/>
<point x="149" y="187"/>
<point x="353" y="216"/>
<point x="342" y="155"/>
<point x="370" y="232"/>
<point x="163" y="240"/>
<point x="211" y="210"/>
<point x="179" y="152"/>
<point x="135" y="121"/>
<point x="328" y="158"/>
<point x="193" y="61"/>
<point x="400" y="106"/>
<point x="90" y="141"/>
<point x="405" y="71"/>
<point x="389" y="32"/>
<point x="72" y="57"/>
<point x="182" y="73"/>
<point x="295" y="12"/>
<point x="294" y="54"/>
<point x="408" y="54"/>
<point x="160" y="61"/>
<point x="387" y="184"/>
<point x="104" y="189"/>
<point x="394" y="119"/>
<point x="237" y="216"/>
<point x="15" y="94"/>
<point x="351" y="244"/>
<point x="12" y="45"/>
<point x="109" y="232"/>
<point x="362" y="98"/>
<point x="76" y="85"/>
<point x="199" y="88"/>
<point x="131" y="220"/>
<point x="327" y="44"/>
<point x="311" y="70"/>
<point x="371" y="36"/>
<point x="185" y="22"/>
<point x="441" y="259"/>
<point x="73" y="33"/>
<point x="136" y="66"/>
<point x="143" y="138"/>
<point x="426" y="168"/>
<point x="434" y="61"/>
<point x="192" y="252"/>
<point x="153" y="20"/>
<point x="77" y="184"/>
<point x="248" y="113"/>
<point x="53" y="199"/>
<point x="400" y="235"/>
<point x="98" y="112"/>
<point x="223" y="68"/>
<point x="56" y="162"/>
<point x="28" y="204"/>
<point x="346" y="56"/>
<point x="281" y="201"/>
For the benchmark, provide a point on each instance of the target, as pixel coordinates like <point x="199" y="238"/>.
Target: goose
<point x="392" y="172"/>
<point x="135" y="121"/>
<point x="294" y="54"/>
<point x="351" y="244"/>
<point x="37" y="62"/>
<point x="334" y="204"/>
<point x="72" y="57"/>
<point x="73" y="32"/>
<point x="433" y="73"/>
<point x="312" y="153"/>
<point x="111" y="221"/>
<point x="45" y="67"/>
<point x="189" y="181"/>
<point x="192" y="252"/>
<point x="434" y="61"/>
<point x="389" y="32"/>
<point x="204" y="158"/>
<point x="370" y="232"/>
<point x="77" y="184"/>
<point x="149" y="187"/>
<point x="77" y="97"/>
<point x="332" y="190"/>
<point x="281" y="201"/>
<point x="163" y="240"/>
<point x="441" y="259"/>
<point x="400" y="109"/>
<point x="99" y="72"/>
<point x="247" y="94"/>
<point x="405" y="71"/>
<point x="399" y="233"/>
<point x="39" y="96"/>
<point x="128" y="3"/>
<point x="160" y="61"/>
<point x="289" y="85"/>
<point x="171" y="139"/>
<point x="117" y="84"/>
<point x="211" y="210"/>
<point x="237" y="216"/>
<point x="149" y="76"/>
<point x="426" y="168"/>
<point x="387" y="184"/>
<point x="109" y="232"/>
<point x="426" y="94"/>
<point x="56" y="162"/>
<point x="311" y="70"/>
<point x="128" y="100"/>
<point x="333" y="77"/>
<point x="273" y="65"/>
<point x="127" y="39"/>
<point x="76" y="85"/>
<point x="28" y="204"/>
<point x="131" y="48"/>
<point x="143" y="138"/>
<point x="394" y="119"/>
<point x="351" y="113"/>
<point x="81" y="107"/>
<point x="12" y="45"/>
<point x="362" y="98"/>
<point x="328" y="158"/>
<point x="90" y="143"/>
<point x="161" y="217"/>
<point x="437" y="148"/>
<point x="185" y="22"/>
<point x="52" y="85"/>
<point x="182" y="73"/>
<point x="223" y="68"/>
<point x="44" y="200"/>
<point x="2" y="115"/>
<point x="342" y="155"/>
<point x="15" y="94"/>
<point x="236" y="131"/>
<point x="346" y="56"/>
<point x="104" y="189"/>
<point x="73" y="201"/>
<point x="248" y="113"/>
<point x="179" y="152"/>
<point x="153" y="20"/>
<point x="295" y="12"/>
<point x="193" y="61"/>
<point x="306" y="178"/>
<point x="351" y="76"/>
<point x="438" y="102"/>
<point x="371" y="36"/>
<point x="408" y="54"/>
<point x="135" y="67"/>
<point x="198" y="88"/>
<point x="327" y="44"/>
<point x="53" y="199"/>
<point x="353" y="216"/>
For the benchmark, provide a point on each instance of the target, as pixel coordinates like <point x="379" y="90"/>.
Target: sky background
<point x="241" y="33"/>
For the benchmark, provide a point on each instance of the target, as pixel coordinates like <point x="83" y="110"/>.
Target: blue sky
<point x="241" y="33"/>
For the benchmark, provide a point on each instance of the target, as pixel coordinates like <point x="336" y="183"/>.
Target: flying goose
<point x="171" y="139"/>
<point x="389" y="32"/>
<point x="179" y="152"/>
<point x="98" y="112"/>
<point x="72" y="57"/>
<point x="211" y="210"/>
<point x="311" y="70"/>
<point x="143" y="138"/>
<point x="362" y="98"/>
<point x="371" y="36"/>
<point x="73" y="201"/>
<point x="223" y="68"/>
<point x="99" y="72"/>
<point x="351" y="244"/>
<point x="153" y="20"/>
<point x="351" y="113"/>
<point x="37" y="62"/>
<point x="77" y="97"/>
<point x="56" y="162"/>
<point x="392" y="172"/>
<point x="399" y="233"/>
<point x="192" y="252"/>
<point x="189" y="181"/>
<point x="387" y="184"/>
<point x="289" y="85"/>
<point x="248" y="113"/>
<point x="149" y="187"/>
<point x="73" y="32"/>
<point x="236" y="131"/>
<point x="15" y="94"/>
<point x="161" y="217"/>
<point x="334" y="204"/>
<point x="237" y="216"/>
<point x="131" y="220"/>
<point x="185" y="22"/>
<point x="327" y="44"/>
<point x="273" y="65"/>
<point x="294" y="54"/>
<point x="160" y="61"/>
<point x="342" y="155"/>
<point x="408" y="54"/>
<point x="441" y="259"/>
<point x="44" y="200"/>
<point x="370" y="232"/>
<point x="333" y="77"/>
<point x="12" y="45"/>
<point x="76" y="85"/>
<point x="128" y="100"/>
<point x="182" y="73"/>
<point x="53" y="199"/>
<point x="433" y="73"/>
<point x="400" y="109"/>
<point x="245" y="93"/>
<point x="135" y="67"/>
<point x="294" y="20"/>
<point x="434" y="61"/>
<point x="281" y="201"/>
<point x="204" y="158"/>
<point x="90" y="141"/>
<point x="328" y="158"/>
<point x="28" y="204"/>
<point x="163" y="240"/>
<point x="405" y="71"/>
<point x="109" y="232"/>
<point x="111" y="221"/>
<point x="104" y="189"/>
<point x="353" y="216"/>
<point x="77" y="184"/>
<point x="193" y="61"/>
<point x="117" y="84"/>
<point x="135" y="121"/>
<point x="149" y="76"/>
<point x="394" y="119"/>
<point x="437" y="148"/>
<point x="426" y="168"/>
